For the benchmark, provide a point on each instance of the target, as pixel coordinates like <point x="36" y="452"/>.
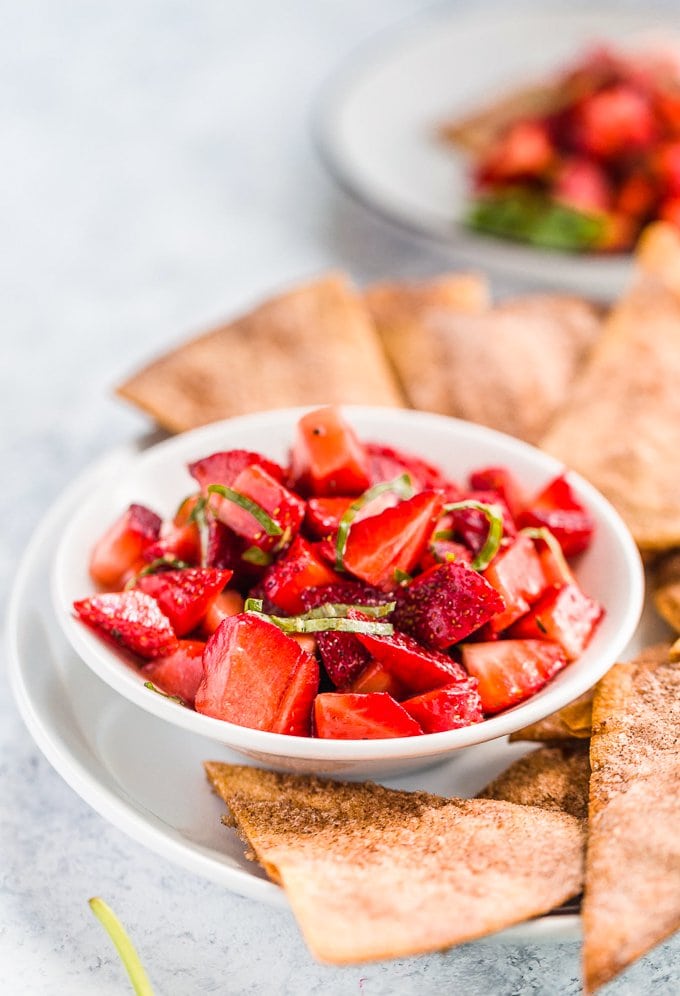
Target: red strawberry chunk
<point x="348" y="716"/>
<point x="414" y="667"/>
<point x="281" y="505"/>
<point x="184" y="596"/>
<point x="445" y="604"/>
<point x="471" y="526"/>
<point x="517" y="575"/>
<point x="323" y="515"/>
<point x="557" y="508"/>
<point x="448" y="708"/>
<point x="343" y="657"/>
<point x="256" y="676"/>
<point x="345" y="593"/>
<point x="501" y="481"/>
<point x="119" y="550"/>
<point x="376" y="678"/>
<point x="617" y="120"/>
<point x="224" y="467"/>
<point x="227" y="551"/>
<point x="564" y="614"/>
<point x="132" y="619"/>
<point x="301" y="567"/>
<point x="227" y="603"/>
<point x="510" y="671"/>
<point x="179" y="673"/>
<point x="381" y="546"/>
<point x="327" y="457"/>
<point x="386" y="463"/>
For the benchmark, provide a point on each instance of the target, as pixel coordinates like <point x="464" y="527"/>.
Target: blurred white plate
<point x="375" y="122"/>
<point x="148" y="782"/>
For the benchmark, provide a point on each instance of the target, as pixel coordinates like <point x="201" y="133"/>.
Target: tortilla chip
<point x="621" y="426"/>
<point x="572" y="722"/>
<point x="313" y="345"/>
<point x="666" y="589"/>
<point x="549" y="777"/>
<point x="482" y="366"/>
<point x="632" y="893"/>
<point x="674" y="652"/>
<point x="375" y="873"/>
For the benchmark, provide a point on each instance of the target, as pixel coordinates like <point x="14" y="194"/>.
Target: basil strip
<point x="401" y="485"/>
<point x="494" y="517"/>
<point x="340" y="610"/>
<point x="302" y="624"/>
<point x="553" y="544"/>
<point x="124" y="946"/>
<point x="270" y="527"/>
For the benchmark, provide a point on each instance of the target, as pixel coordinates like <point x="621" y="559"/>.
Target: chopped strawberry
<point x="121" y="548"/>
<point x="224" y="467"/>
<point x="510" y="671"/>
<point x="256" y="676"/>
<point x="583" y="186"/>
<point x="323" y="515"/>
<point x="228" y="603"/>
<point x="447" y="708"/>
<point x="300" y="568"/>
<point x="616" y="121"/>
<point x="376" y="678"/>
<point x="525" y="150"/>
<point x="343" y="657"/>
<point x="638" y="194"/>
<point x="516" y="574"/>
<point x="381" y="546"/>
<point x="386" y="463"/>
<point x="348" y="716"/>
<point x="132" y="619"/>
<point x="563" y="614"/>
<point x="440" y="550"/>
<point x="445" y="604"/>
<point x="283" y="508"/>
<point x="180" y="672"/>
<point x="345" y="593"/>
<point x="669" y="210"/>
<point x="415" y="668"/>
<point x="666" y="163"/>
<point x="327" y="457"/>
<point x="227" y="551"/>
<point x="557" y="508"/>
<point x="184" y="596"/>
<point x="501" y="481"/>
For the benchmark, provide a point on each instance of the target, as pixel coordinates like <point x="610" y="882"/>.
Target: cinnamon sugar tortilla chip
<point x="315" y="344"/>
<point x="549" y="777"/>
<point x="508" y="367"/>
<point x="375" y="873"/>
<point x="632" y="893"/>
<point x="571" y="722"/>
<point x="666" y="589"/>
<point x="621" y="425"/>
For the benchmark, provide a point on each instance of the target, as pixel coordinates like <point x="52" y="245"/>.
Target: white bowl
<point x="609" y="571"/>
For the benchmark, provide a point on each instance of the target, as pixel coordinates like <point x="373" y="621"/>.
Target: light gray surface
<point x="157" y="174"/>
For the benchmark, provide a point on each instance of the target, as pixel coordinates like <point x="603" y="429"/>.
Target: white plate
<point x="149" y="782"/>
<point x="375" y="122"/>
<point x="610" y="571"/>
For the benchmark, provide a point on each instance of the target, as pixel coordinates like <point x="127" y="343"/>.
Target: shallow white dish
<point x="164" y="802"/>
<point x="610" y="571"/>
<point x="376" y="119"/>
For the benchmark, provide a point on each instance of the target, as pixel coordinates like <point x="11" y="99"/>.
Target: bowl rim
<point x="110" y="665"/>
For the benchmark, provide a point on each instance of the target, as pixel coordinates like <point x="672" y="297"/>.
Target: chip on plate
<point x="554" y="777"/>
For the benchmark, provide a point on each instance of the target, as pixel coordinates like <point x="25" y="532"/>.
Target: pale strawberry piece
<point x="256" y="676"/>
<point x="376" y="678"/>
<point x="348" y="716"/>
<point x="184" y="596"/>
<point x="517" y="575"/>
<point x="179" y="673"/>
<point x="131" y="619"/>
<point x="510" y="671"/>
<point x="327" y="456"/>
<point x="122" y="546"/>
<point x="228" y="603"/>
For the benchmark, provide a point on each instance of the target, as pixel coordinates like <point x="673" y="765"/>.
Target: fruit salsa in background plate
<point x="377" y="122"/>
<point x="609" y="571"/>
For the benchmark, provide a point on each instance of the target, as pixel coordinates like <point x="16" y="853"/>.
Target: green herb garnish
<point x="270" y="526"/>
<point x="173" y="698"/>
<point x="494" y="517"/>
<point x="532" y="216"/>
<point x="401" y="486"/>
<point x="333" y="616"/>
<point x="124" y="946"/>
<point x="553" y="544"/>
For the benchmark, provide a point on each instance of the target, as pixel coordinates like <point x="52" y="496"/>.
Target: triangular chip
<point x="549" y="777"/>
<point x="621" y="426"/>
<point x="315" y="344"/>
<point x="374" y="873"/>
<point x="508" y="367"/>
<point x="632" y="893"/>
<point x="571" y="722"/>
<point x="666" y="589"/>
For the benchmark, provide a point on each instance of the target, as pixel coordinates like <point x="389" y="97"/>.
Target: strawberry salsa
<point x="356" y="593"/>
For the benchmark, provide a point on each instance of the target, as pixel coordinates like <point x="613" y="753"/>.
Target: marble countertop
<point x="157" y="175"/>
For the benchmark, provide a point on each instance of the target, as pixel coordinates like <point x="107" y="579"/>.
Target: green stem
<point x="124" y="946"/>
